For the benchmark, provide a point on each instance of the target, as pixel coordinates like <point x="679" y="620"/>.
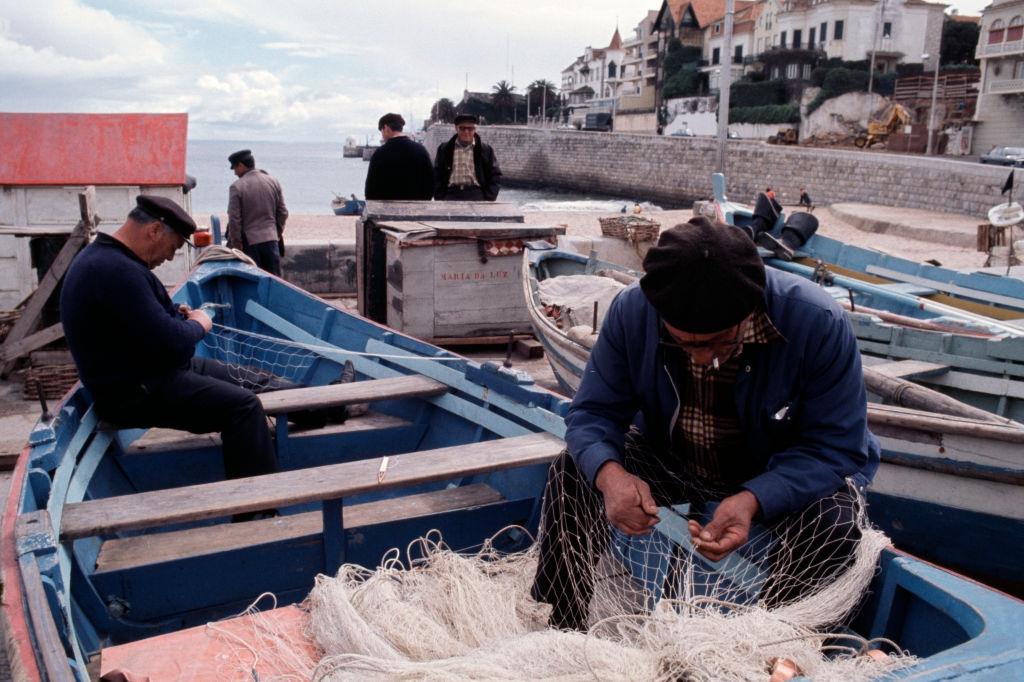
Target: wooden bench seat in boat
<point x="120" y="554"/>
<point x="327" y="484"/>
<point x="157" y="440"/>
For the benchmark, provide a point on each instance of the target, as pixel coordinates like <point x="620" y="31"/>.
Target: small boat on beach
<point x="351" y="206"/>
<point x="943" y="476"/>
<point x="117" y="541"/>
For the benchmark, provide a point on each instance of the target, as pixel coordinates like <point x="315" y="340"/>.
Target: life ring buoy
<point x="1005" y="215"/>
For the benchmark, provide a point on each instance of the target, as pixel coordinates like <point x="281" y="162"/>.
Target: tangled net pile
<point x="451" y="616"/>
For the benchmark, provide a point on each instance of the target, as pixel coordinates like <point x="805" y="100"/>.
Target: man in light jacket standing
<point x="256" y="213"/>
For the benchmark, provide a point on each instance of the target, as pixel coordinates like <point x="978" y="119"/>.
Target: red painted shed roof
<point x="92" y="149"/>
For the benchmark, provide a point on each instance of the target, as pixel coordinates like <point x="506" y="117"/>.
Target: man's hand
<point x="202" y="318"/>
<point x="628" y="503"/>
<point x="729" y="527"/>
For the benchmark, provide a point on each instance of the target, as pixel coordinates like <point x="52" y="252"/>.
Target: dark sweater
<point x="400" y="169"/>
<point x="120" y="324"/>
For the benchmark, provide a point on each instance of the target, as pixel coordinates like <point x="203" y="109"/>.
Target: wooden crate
<point x="458" y="280"/>
<point x="371" y="248"/>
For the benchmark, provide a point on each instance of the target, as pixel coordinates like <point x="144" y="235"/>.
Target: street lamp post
<point x="724" y="83"/>
<point x="931" y="110"/>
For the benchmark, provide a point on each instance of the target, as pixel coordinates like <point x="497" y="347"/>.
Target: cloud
<point x="63" y="39"/>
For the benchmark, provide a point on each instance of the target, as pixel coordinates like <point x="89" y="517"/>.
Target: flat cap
<point x="703" y="277"/>
<point x="241" y="155"/>
<point x="168" y="212"/>
<point x="465" y="118"/>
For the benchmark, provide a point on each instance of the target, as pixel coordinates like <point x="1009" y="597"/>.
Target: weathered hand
<point x="728" y="528"/>
<point x="202" y="318"/>
<point x="628" y="503"/>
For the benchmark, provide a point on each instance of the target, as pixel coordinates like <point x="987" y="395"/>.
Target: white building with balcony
<point x="1000" y="110"/>
<point x="745" y="18"/>
<point x="590" y="82"/>
<point x="895" y="31"/>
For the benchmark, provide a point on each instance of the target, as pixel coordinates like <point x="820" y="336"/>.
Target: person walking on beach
<point x="465" y="169"/>
<point x="256" y="213"/>
<point x="401" y="168"/>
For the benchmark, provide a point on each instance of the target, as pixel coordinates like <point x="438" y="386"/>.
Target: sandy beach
<point x="580" y="223"/>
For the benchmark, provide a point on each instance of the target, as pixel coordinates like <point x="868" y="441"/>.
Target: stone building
<point x="999" y="114"/>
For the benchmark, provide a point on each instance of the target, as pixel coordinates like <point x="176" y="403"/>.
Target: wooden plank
<point x="52" y="357"/>
<point x="976" y="294"/>
<point x="941" y="423"/>
<point x="141" y="550"/>
<point x="15" y="349"/>
<point x="26" y="324"/>
<point x="314" y="397"/>
<point x="40" y="231"/>
<point x="334" y="481"/>
<point x="47" y="642"/>
<point x="910" y="369"/>
<point x="156" y="441"/>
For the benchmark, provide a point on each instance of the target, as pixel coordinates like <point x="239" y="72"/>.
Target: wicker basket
<point x="56" y="380"/>
<point x="630" y="227"/>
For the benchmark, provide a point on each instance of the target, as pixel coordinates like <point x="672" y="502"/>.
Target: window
<point x="824" y="31"/>
<point x="792" y="71"/>
<point x="611" y="69"/>
<point x="810" y="39"/>
<point x="715" y="55"/>
<point x="718" y="28"/>
<point x="782" y="39"/>
<point x="887" y="29"/>
<point x="737" y="55"/>
<point x="1016" y="30"/>
<point x="806" y="72"/>
<point x="837" y="32"/>
<point x="798" y="39"/>
<point x="995" y="32"/>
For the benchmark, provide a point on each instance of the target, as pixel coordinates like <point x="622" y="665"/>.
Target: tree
<point x="959" y="40"/>
<point x="503" y="98"/>
<point x="443" y="111"/>
<point x="541" y="93"/>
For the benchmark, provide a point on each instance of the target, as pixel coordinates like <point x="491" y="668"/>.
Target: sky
<point x="296" y="70"/>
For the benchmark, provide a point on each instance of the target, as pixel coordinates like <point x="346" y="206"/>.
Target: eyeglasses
<point x="724" y="347"/>
<point x="466" y="129"/>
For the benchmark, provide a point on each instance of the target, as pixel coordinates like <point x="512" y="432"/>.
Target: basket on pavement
<point x="633" y="228"/>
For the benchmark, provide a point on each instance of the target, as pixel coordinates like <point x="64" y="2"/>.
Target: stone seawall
<point x="676" y="170"/>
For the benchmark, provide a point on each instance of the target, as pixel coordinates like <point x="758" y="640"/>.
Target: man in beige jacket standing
<point x="256" y="213"/>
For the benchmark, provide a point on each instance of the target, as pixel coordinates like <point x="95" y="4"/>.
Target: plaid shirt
<point x="707" y="435"/>
<point x="463" y="167"/>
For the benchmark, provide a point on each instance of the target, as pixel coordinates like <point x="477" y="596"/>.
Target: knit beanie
<point x="703" y="277"/>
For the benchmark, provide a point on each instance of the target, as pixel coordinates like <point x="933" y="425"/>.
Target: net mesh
<point x="254" y="360"/>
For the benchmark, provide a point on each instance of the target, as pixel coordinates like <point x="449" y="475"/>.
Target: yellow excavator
<point x="893" y="119"/>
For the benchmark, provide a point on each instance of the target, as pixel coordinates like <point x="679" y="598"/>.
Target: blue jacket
<point x="121" y="326"/>
<point x="801" y="402"/>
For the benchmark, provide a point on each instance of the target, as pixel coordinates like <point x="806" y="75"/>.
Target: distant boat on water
<point x="342" y="206"/>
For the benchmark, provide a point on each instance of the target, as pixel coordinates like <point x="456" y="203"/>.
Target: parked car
<point x="682" y="132"/>
<point x="1005" y="156"/>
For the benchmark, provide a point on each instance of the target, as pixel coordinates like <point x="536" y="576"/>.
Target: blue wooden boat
<point x="351" y="206"/>
<point x="950" y="488"/>
<point x="114" y="536"/>
<point x="986" y="291"/>
<point x="976" y="356"/>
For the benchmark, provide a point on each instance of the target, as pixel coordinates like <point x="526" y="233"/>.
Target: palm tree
<point x="443" y="111"/>
<point x="541" y="94"/>
<point x="503" y="98"/>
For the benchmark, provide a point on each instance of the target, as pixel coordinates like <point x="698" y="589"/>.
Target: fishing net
<point x="651" y="607"/>
<point x="256" y="361"/>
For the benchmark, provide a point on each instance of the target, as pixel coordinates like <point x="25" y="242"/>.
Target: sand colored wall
<point x="677" y="170"/>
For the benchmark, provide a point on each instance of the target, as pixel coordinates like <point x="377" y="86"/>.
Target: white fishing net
<point x="578" y="303"/>
<point x="659" y="611"/>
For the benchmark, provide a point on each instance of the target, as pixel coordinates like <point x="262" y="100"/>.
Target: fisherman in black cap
<point x="134" y="349"/>
<point x="465" y="169"/>
<point x="721" y="384"/>
<point x="256" y="213"/>
<point x="401" y="168"/>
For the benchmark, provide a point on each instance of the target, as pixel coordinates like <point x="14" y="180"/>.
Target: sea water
<point x="311" y="174"/>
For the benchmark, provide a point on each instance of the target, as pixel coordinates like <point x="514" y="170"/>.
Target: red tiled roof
<point x="93" y="149"/>
<point x="616" y="43"/>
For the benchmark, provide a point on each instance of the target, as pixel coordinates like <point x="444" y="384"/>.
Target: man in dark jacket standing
<point x="256" y="213"/>
<point x="465" y="168"/>
<point x="401" y="167"/>
<point x="746" y="398"/>
<point x="134" y="348"/>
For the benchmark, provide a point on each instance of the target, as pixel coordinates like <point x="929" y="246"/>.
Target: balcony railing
<point x="1007" y="87"/>
<point x="994" y="49"/>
